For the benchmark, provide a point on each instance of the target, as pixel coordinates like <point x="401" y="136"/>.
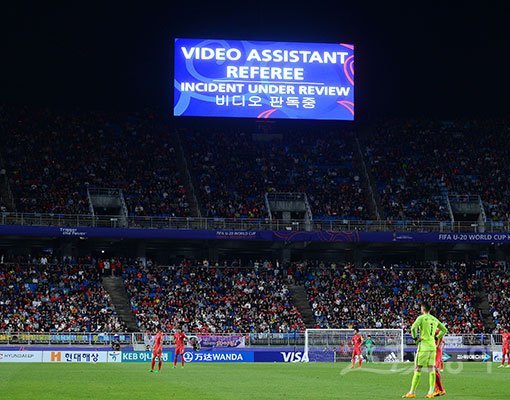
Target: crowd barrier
<point x="245" y="224"/>
<point x="232" y="340"/>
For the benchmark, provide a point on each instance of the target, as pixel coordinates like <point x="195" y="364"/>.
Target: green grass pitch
<point x="242" y="381"/>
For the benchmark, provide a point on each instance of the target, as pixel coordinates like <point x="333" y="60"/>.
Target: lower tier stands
<point x="57" y="298"/>
<point x="68" y="296"/>
<point x="390" y="297"/>
<point x="497" y="287"/>
<point x="211" y="299"/>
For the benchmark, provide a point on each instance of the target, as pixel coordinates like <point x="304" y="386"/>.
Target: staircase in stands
<point x="115" y="287"/>
<point x="300" y="301"/>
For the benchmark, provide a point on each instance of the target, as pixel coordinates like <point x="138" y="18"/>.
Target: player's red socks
<point x="439" y="385"/>
<point x="182" y="361"/>
<point x="160" y="363"/>
<point x="152" y="363"/>
<point x="175" y="361"/>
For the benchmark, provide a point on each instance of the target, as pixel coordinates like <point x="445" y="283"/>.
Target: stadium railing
<point x="63" y="338"/>
<point x="290" y="339"/>
<point x="112" y="221"/>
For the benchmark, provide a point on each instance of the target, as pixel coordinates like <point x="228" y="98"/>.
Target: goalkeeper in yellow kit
<point x="423" y="332"/>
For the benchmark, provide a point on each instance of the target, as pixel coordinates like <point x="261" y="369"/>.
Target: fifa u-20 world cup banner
<point x="211" y="340"/>
<point x="239" y="78"/>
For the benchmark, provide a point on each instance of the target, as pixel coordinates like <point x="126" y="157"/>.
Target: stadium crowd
<point x="60" y="297"/>
<point x="416" y="164"/>
<point x="81" y="150"/>
<point x="389" y="296"/>
<point x="44" y="294"/>
<point x="496" y="283"/>
<point x="233" y="170"/>
<point x="211" y="299"/>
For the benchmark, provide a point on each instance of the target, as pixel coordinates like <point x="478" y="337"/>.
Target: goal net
<point x="335" y="344"/>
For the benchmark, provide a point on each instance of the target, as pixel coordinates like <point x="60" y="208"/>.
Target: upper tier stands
<point x="233" y="170"/>
<point x="52" y="158"/>
<point x="416" y="164"/>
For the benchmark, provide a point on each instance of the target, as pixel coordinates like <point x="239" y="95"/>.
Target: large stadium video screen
<point x="252" y="79"/>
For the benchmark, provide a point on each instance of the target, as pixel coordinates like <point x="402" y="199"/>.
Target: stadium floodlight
<point x="334" y="345"/>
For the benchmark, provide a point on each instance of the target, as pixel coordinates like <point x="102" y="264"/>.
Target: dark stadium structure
<point x="258" y="200"/>
<point x="273" y="227"/>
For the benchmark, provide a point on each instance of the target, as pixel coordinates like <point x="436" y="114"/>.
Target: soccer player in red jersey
<point x="179" y="341"/>
<point x="157" y="351"/>
<point x="357" y="341"/>
<point x="439" y="365"/>
<point x="506" y="349"/>
<point x="439" y="351"/>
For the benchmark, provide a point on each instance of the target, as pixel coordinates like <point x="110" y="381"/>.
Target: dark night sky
<point x="412" y="60"/>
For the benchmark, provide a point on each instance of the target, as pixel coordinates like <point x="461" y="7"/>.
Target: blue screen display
<point x="251" y="79"/>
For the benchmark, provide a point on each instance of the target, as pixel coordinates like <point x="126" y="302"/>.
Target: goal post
<point x="334" y="345"/>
